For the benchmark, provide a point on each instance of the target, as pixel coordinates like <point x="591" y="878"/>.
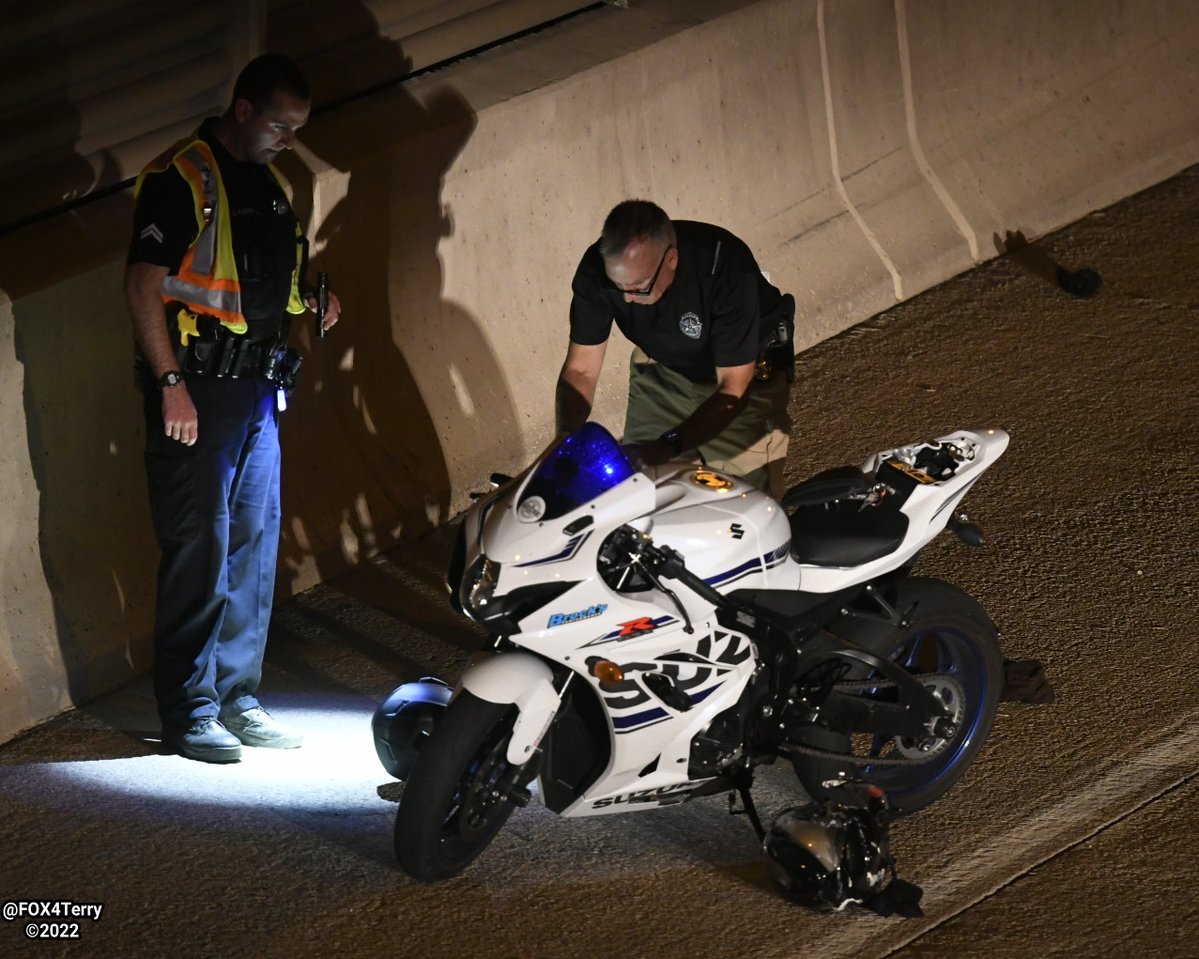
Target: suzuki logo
<point x="737" y="530"/>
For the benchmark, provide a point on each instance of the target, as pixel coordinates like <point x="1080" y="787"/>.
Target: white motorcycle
<point x="659" y="634"/>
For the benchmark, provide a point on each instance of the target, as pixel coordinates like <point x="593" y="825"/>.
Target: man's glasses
<point x="649" y="288"/>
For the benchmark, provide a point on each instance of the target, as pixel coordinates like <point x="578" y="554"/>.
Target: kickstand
<point x="748" y="809"/>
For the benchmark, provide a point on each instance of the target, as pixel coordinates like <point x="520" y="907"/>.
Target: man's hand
<point x="648" y="454"/>
<point x="142" y="284"/>
<point x="179" y="415"/>
<point x="332" y="314"/>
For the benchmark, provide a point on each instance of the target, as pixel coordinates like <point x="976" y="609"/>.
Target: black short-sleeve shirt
<point x="709" y="317"/>
<point x="263" y="224"/>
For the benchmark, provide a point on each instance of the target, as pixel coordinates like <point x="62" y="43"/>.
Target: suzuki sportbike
<point x="657" y="634"/>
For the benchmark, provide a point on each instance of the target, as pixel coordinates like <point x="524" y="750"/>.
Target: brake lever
<point x="670" y="563"/>
<point x="666" y="560"/>
<point x="652" y="575"/>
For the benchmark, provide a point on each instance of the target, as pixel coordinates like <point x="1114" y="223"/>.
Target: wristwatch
<point x="170" y="378"/>
<point x="672" y="439"/>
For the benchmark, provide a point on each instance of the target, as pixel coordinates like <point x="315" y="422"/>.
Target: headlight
<point x="503" y="614"/>
<point x="478" y="586"/>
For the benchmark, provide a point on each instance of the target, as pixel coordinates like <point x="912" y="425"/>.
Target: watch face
<point x="170" y="378"/>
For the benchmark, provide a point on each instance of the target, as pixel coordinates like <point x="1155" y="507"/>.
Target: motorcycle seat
<point x="844" y="533"/>
<point x="841" y="482"/>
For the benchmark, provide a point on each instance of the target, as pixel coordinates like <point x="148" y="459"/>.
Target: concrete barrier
<point x="866" y="150"/>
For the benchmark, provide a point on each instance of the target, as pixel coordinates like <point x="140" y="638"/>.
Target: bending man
<point x="712" y="363"/>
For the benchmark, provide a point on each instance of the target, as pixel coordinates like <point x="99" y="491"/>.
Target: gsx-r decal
<point x="633" y="628"/>
<point x="715" y="656"/>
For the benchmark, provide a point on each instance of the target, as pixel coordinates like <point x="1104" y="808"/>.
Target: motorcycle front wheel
<point x="949" y="641"/>
<point x="457" y="797"/>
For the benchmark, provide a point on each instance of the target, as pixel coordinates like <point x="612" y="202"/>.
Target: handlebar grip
<point x="671" y="566"/>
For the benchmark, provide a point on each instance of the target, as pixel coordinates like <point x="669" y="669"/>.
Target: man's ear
<point x="242" y="110"/>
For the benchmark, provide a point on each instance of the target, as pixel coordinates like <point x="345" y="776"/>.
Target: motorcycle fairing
<point x="650" y="740"/>
<point x="568" y="551"/>
<point x="701" y="522"/>
<point x="633" y="629"/>
<point x="711" y="665"/>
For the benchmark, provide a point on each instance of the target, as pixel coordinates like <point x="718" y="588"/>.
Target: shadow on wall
<point x="376" y="393"/>
<point x="82" y="423"/>
<point x="365" y="460"/>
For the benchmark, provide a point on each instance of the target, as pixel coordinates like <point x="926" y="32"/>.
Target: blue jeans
<point x="216" y="513"/>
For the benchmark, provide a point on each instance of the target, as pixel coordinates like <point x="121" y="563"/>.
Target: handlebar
<point x="668" y="563"/>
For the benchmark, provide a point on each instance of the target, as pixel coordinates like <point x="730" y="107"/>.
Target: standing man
<point x="713" y="339"/>
<point x="214" y="272"/>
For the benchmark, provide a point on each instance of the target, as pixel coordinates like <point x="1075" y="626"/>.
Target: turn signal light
<point x="607" y="671"/>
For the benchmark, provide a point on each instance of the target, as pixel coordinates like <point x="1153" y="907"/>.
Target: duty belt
<point x="225" y="354"/>
<point x="229" y="355"/>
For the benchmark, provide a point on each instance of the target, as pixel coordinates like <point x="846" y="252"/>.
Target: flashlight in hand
<point x="322" y="302"/>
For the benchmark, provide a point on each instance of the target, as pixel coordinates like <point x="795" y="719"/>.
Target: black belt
<point x="227" y="356"/>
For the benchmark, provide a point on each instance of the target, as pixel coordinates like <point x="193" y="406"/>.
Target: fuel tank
<point x="728" y="531"/>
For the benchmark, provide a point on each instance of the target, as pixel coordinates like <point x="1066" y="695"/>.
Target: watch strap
<point x="672" y="439"/>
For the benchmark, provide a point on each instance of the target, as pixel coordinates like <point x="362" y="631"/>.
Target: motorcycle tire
<point x="449" y="811"/>
<point x="948" y="635"/>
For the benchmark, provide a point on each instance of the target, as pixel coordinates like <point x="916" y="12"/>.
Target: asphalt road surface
<point x="1074" y="834"/>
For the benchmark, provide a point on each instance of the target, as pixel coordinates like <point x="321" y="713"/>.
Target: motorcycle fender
<point x="525" y="681"/>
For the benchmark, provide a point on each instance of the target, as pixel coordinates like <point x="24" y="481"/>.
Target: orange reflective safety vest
<point x="206" y="282"/>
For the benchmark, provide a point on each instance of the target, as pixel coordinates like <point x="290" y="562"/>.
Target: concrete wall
<point x="866" y="149"/>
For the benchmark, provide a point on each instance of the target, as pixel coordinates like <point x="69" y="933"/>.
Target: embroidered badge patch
<point x="691" y="325"/>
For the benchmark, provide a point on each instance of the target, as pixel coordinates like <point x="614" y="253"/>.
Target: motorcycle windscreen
<point x="584" y="465"/>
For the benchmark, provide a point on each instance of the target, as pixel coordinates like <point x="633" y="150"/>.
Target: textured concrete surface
<point x="1073" y="835"/>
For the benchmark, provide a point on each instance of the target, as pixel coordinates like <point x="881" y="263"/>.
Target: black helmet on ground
<point x="405" y="720"/>
<point x="828" y="855"/>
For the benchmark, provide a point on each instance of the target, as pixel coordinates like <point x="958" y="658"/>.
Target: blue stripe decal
<point x="623" y="722"/>
<point x="624" y="732"/>
<point x="701" y="696"/>
<point x="769" y="561"/>
<point x="568" y="551"/>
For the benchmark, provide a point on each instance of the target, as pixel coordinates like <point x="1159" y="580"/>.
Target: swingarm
<point x="916" y="711"/>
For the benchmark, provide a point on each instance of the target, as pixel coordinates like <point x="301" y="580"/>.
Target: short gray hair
<point x="635" y="220"/>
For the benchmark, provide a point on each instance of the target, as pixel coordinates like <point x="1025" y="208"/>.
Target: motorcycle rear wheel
<point x="949" y="638"/>
<point x="450" y="809"/>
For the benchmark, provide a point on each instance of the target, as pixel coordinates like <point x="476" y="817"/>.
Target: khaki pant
<point x="753" y="446"/>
